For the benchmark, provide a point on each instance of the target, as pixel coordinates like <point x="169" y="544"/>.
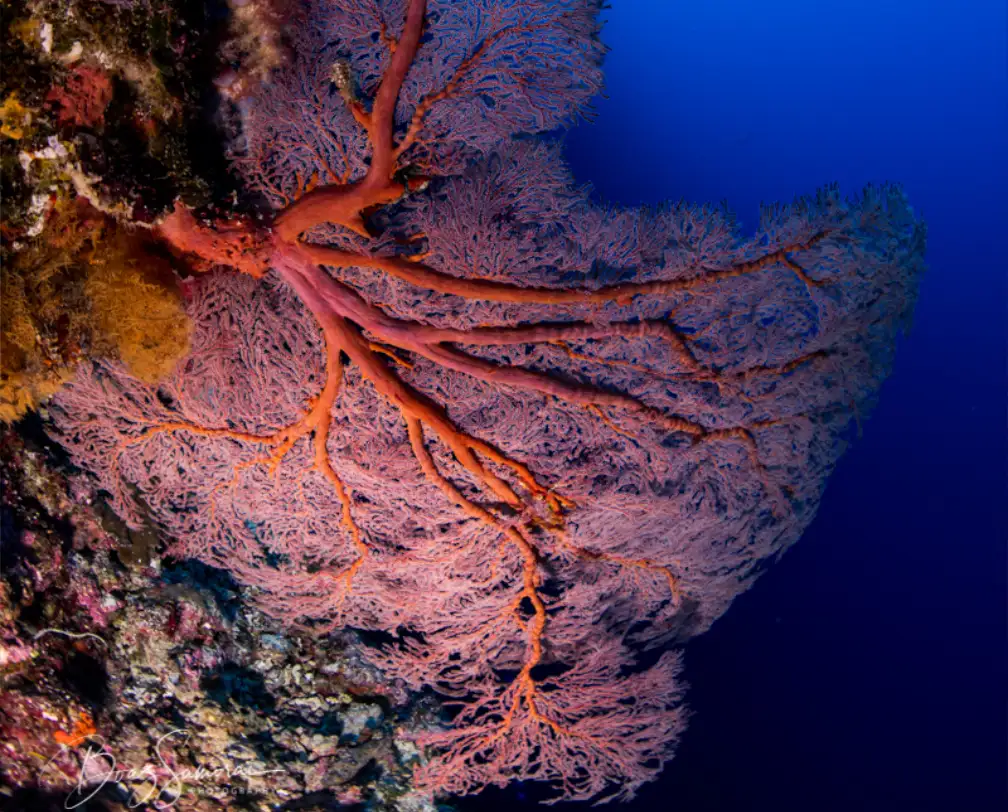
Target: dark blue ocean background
<point x="867" y="669"/>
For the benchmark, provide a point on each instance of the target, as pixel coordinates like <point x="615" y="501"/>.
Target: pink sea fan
<point x="530" y="435"/>
<point x="484" y="71"/>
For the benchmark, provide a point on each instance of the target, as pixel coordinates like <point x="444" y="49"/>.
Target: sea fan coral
<point x="444" y="395"/>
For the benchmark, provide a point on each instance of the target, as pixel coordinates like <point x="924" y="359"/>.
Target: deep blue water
<point x="866" y="670"/>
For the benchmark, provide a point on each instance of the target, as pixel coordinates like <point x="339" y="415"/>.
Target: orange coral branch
<point x="489" y="290"/>
<point x="343" y="204"/>
<point x="233" y="244"/>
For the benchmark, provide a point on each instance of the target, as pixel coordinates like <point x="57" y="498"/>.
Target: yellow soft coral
<point x="137" y="310"/>
<point x="14" y="118"/>
<point x="85" y="288"/>
<point x="20" y="392"/>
